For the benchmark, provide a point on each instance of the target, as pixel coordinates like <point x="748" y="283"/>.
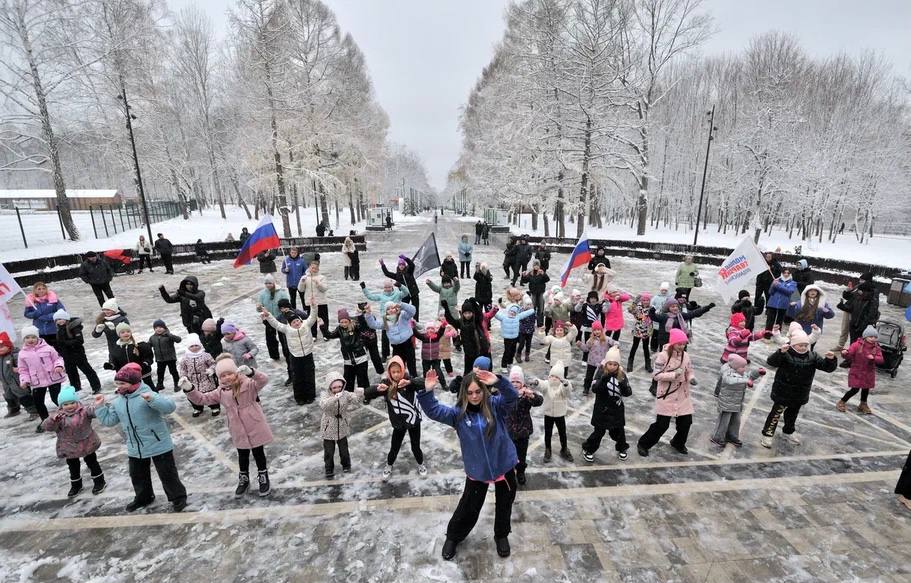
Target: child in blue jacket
<point x="140" y="413"/>
<point x="510" y="319"/>
<point x="488" y="453"/>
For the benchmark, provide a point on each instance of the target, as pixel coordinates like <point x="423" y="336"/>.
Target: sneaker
<point x="449" y="549"/>
<point x="98" y="484"/>
<point x="622" y="455"/>
<point x="346" y="470"/>
<point x="793" y="438"/>
<point x="682" y="450"/>
<point x="503" y="547"/>
<point x="735" y="442"/>
<point x="766" y="442"/>
<point x="642" y="451"/>
<point x="694" y="382"/>
<point x="330" y="473"/>
<point x="243" y="482"/>
<point x="526" y="357"/>
<point x="518" y="358"/>
<point x="216" y="412"/>
<point x="547" y="359"/>
<point x="387" y="471"/>
<point x="648" y="368"/>
<point x="504" y="370"/>
<point x="75" y="488"/>
<point x="136" y="504"/>
<point x="39" y="429"/>
<point x="864" y="409"/>
<point x="717" y="442"/>
<point x="547" y="455"/>
<point x="841" y="406"/>
<point x="264" y="486"/>
<point x="179" y="504"/>
<point x="11" y="413"/>
<point x="196" y="414"/>
<point x="588" y="456"/>
<point x="422" y="469"/>
<point x="565" y="454"/>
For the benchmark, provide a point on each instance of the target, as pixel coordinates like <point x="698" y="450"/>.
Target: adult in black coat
<point x="478" y="230"/>
<point x="600" y="258"/>
<point x="744" y="306"/>
<point x="803" y="275"/>
<point x="96" y="272"/>
<point x="404" y="274"/>
<point x="165" y="250"/>
<point x="543" y="256"/>
<point x="449" y="267"/>
<point x="797" y="366"/>
<point x="266" y="261"/>
<point x="764" y="282"/>
<point x="537" y="280"/>
<point x="483" y="287"/>
<point x="193" y="308"/>
<point x="485" y="234"/>
<point x="509" y="257"/>
<point x="863" y="308"/>
<point x="524" y="253"/>
<point x="244" y="235"/>
<point x="471" y="333"/>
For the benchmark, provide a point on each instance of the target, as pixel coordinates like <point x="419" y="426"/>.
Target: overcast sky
<point x="425" y="55"/>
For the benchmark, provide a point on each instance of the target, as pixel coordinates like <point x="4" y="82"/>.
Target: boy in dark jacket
<point x="71" y="347"/>
<point x="193" y="308"/>
<point x="537" y="280"/>
<point x="518" y="420"/>
<point x="609" y="414"/>
<point x="106" y="324"/>
<point x="471" y="332"/>
<point x="96" y="272"/>
<point x="744" y="306"/>
<point x="797" y="365"/>
<point x="211" y="336"/>
<point x="162" y="342"/>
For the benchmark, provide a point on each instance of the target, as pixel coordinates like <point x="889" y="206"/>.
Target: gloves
<point x="210" y="371"/>
<point x="363" y="285"/>
<point x="767" y="334"/>
<point x="247" y="356"/>
<point x="99" y="328"/>
<point x="108" y="366"/>
<point x="184" y="384"/>
<point x="711" y="305"/>
<point x="110" y="325"/>
<point x="245" y="370"/>
<point x="745" y="333"/>
<point x="403" y="258"/>
<point x="762" y="371"/>
<point x="749" y="382"/>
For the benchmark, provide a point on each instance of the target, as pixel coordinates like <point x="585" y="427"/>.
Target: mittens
<point x="99" y="328"/>
<point x="184" y="384"/>
<point x="745" y="333"/>
<point x="245" y="370"/>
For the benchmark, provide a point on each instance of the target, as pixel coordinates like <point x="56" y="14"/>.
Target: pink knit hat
<point x="737" y="362"/>
<point x="596" y="325"/>
<point x="677" y="336"/>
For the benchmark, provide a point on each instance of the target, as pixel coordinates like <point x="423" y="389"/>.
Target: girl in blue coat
<point x="40" y="306"/>
<point x="488" y="453"/>
<point x="140" y="413"/>
<point x="397" y="323"/>
<point x="779" y="299"/>
<point x="510" y="319"/>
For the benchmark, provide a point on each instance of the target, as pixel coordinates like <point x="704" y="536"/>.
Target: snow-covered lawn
<point x="44" y="239"/>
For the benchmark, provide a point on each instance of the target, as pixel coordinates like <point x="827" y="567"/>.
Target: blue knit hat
<point x="483" y="363"/>
<point x="67" y="395"/>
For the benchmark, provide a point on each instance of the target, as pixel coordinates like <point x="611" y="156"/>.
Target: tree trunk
<point x="351" y="205"/>
<point x="282" y="197"/>
<point x="323" y="204"/>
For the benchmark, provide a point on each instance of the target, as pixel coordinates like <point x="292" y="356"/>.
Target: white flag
<point x="8" y="285"/>
<point x="741" y="266"/>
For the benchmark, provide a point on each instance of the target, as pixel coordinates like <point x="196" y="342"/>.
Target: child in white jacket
<point x="336" y="405"/>
<point x="560" y="343"/>
<point x="556" y="397"/>
<point x="300" y="345"/>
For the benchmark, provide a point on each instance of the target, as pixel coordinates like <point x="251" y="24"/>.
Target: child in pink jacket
<point x="198" y="366"/>
<point x="238" y="393"/>
<point x="864" y="354"/>
<point x="40" y="369"/>
<point x="613" y="320"/>
<point x="739" y="337"/>
<point x="76" y="439"/>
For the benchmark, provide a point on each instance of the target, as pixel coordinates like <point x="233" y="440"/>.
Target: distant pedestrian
<point x="144" y="253"/>
<point x="96" y="272"/>
<point x="201" y="253"/>
<point x="244" y="235"/>
<point x="266" y="261"/>
<point x="165" y="250"/>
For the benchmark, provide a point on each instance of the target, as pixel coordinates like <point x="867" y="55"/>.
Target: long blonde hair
<point x="462" y="403"/>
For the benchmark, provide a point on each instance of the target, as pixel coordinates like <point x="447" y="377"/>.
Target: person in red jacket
<point x="864" y="354"/>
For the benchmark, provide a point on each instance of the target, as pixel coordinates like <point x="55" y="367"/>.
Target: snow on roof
<point x="70" y="193"/>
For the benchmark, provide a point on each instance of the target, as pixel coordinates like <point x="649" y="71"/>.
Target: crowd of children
<point x="216" y="366"/>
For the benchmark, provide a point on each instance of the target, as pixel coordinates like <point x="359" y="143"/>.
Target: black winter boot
<point x="449" y="549"/>
<point x="98" y="484"/>
<point x="243" y="482"/>
<point x="75" y="488"/>
<point x="136" y="504"/>
<point x="264" y="487"/>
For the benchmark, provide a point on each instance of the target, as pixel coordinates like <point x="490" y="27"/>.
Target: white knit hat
<point x="517" y="374"/>
<point x="613" y="355"/>
<point x="557" y="370"/>
<point x="799" y="337"/>
<point x="111" y="304"/>
<point x="30" y="331"/>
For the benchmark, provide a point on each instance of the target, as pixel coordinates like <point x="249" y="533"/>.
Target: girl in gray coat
<point x="238" y="345"/>
<point x="729" y="393"/>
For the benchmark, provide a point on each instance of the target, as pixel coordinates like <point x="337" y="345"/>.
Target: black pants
<point x="509" y="351"/>
<point x="170" y="366"/>
<point x="405" y="351"/>
<point x="303" y="379"/>
<point x="38" y="394"/>
<point x="415" y="300"/>
<point x="355" y="272"/>
<point x="658" y="339"/>
<point x="166" y="467"/>
<point x="778" y="411"/>
<point x="101" y="290"/>
<point x="549" y="429"/>
<point x="374" y="355"/>
<point x="329" y="454"/>
<point x="322" y="311"/>
<point x="91" y="462"/>
<point x="292" y="294"/>
<point x="470" y="356"/>
<point x="466" y="513"/>
<point x="447" y="364"/>
<point x="593" y="442"/>
<point x="657" y="429"/>
<point x="774" y="316"/>
<point x="398" y="436"/>
<point x="79" y="362"/>
<point x="243" y="459"/>
<point x="145" y="260"/>
<point x="537" y="301"/>
<point x="385" y="344"/>
<point x="348" y="272"/>
<point x="215" y="407"/>
<point x="613" y="334"/>
<point x="521" y="444"/>
<point x="14" y="404"/>
<point x="590" y="371"/>
<point x="465" y="269"/>
<point x="524" y="344"/>
<point x="903" y="487"/>
<point x="356" y="373"/>
<point x="477" y="239"/>
<point x="864" y="393"/>
<point x="168" y="265"/>
<point x="516" y="272"/>
<point x="426" y="365"/>
<point x="645" y="353"/>
<point x="685" y="292"/>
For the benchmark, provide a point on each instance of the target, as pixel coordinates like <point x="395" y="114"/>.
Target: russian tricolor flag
<point x="581" y="255"/>
<point x="265" y="237"/>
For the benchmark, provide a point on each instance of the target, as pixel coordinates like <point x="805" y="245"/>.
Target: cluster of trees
<point x="280" y="113"/>
<point x="597" y="110"/>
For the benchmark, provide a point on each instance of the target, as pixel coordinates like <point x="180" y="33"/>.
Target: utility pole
<point x="142" y="195"/>
<point x="705" y="168"/>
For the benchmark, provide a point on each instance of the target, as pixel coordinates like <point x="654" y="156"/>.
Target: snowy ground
<point x="44" y="239"/>
<point x="889" y="250"/>
<point x="821" y="511"/>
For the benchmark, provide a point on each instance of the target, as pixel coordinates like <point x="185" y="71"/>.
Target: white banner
<point x="741" y="267"/>
<point x="8" y="285"/>
<point x="6" y="322"/>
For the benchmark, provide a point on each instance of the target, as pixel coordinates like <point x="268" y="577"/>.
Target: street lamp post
<point x="142" y="196"/>
<point x="708" y="147"/>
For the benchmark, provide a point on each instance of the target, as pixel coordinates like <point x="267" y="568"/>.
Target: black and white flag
<point x="427" y="257"/>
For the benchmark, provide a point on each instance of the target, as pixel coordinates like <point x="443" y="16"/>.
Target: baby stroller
<point x="893" y="343"/>
<point x="120" y="260"/>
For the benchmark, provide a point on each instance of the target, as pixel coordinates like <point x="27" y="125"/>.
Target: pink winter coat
<point x="75" y="436"/>
<point x="673" y="396"/>
<point x="739" y="342"/>
<point x="614" y="318"/>
<point x="862" y="374"/>
<point x="246" y="419"/>
<point x="37" y="364"/>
